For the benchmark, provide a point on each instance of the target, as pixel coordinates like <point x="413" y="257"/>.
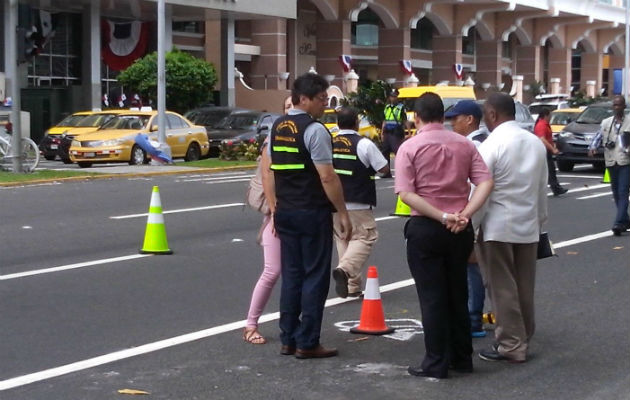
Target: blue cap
<point x="464" y="107"/>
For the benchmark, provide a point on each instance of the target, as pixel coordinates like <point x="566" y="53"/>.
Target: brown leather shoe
<point x="287" y="350"/>
<point x="317" y="352"/>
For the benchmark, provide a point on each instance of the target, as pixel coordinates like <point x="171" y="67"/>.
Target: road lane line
<point x="578" y="176"/>
<point x="71" y="266"/>
<point x="181" y="210"/>
<point x="584" y="189"/>
<point x="595" y="195"/>
<point x="193" y="336"/>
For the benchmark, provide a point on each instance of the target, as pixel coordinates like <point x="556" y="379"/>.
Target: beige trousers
<point x="354" y="253"/>
<point x="509" y="272"/>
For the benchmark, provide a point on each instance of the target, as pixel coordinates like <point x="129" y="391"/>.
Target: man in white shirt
<point x="356" y="159"/>
<point x="510" y="226"/>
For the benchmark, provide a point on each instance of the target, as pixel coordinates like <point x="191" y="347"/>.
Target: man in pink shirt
<point x="432" y="173"/>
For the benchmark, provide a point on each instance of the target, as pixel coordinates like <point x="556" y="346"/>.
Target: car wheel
<point x="193" y="153"/>
<point x="599" y="166"/>
<point x="137" y="156"/>
<point x="50" y="158"/>
<point x="565" y="166"/>
<point x="84" y="164"/>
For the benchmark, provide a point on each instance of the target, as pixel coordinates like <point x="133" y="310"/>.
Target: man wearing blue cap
<point x="465" y="118"/>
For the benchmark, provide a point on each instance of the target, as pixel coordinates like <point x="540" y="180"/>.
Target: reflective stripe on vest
<point x="287" y="166"/>
<point x="286" y="149"/>
<point x="393" y="113"/>
<point x="345" y="156"/>
<point x="343" y="172"/>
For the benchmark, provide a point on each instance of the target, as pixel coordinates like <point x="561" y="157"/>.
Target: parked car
<point x="575" y="138"/>
<point x="211" y="118"/>
<point x="561" y="118"/>
<point x="263" y="127"/>
<point x="237" y="123"/>
<point x="114" y="141"/>
<point x="548" y="101"/>
<point x="49" y="145"/>
<point x="88" y="124"/>
<point x="329" y="119"/>
<point x="522" y="117"/>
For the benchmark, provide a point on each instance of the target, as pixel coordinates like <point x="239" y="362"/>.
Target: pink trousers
<point x="269" y="276"/>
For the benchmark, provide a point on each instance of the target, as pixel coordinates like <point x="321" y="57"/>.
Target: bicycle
<point x="29" y="152"/>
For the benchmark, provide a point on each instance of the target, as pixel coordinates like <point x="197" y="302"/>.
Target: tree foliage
<point x="371" y="99"/>
<point x="189" y="80"/>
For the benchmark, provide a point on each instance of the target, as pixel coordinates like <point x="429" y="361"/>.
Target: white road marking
<point x="579" y="176"/>
<point x="71" y="266"/>
<point x="190" y="337"/>
<point x="181" y="210"/>
<point x="584" y="189"/>
<point x="236" y="178"/>
<point x="385" y="218"/>
<point x="595" y="195"/>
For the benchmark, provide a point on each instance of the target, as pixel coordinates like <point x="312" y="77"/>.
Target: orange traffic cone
<point x="372" y="316"/>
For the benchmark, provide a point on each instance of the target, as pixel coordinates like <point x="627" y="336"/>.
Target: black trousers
<point x="392" y="138"/>
<point x="306" y="238"/>
<point x="437" y="260"/>
<point x="552" y="179"/>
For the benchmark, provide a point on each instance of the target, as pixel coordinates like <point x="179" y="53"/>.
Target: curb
<point x="125" y="175"/>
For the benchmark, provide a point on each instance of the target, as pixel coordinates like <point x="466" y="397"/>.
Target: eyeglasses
<point x="323" y="98"/>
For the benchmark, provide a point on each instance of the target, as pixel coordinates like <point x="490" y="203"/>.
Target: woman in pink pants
<point x="271" y="252"/>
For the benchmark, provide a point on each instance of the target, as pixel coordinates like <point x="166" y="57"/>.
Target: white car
<point x="550" y="102"/>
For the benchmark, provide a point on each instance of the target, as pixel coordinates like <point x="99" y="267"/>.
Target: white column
<point x="555" y="85"/>
<point x="517" y="87"/>
<point x="227" y="62"/>
<point x="95" y="54"/>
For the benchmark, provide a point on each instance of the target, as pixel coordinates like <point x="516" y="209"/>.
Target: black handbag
<point x="545" y="247"/>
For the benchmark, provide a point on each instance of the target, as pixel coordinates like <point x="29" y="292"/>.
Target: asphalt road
<point x="82" y="315"/>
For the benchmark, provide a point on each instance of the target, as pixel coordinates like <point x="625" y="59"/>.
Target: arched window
<point x="576" y="66"/>
<point x="469" y="43"/>
<point x="365" y="30"/>
<point x="422" y="35"/>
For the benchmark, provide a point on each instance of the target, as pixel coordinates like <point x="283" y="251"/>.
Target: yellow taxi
<point x="329" y="119"/>
<point x="49" y="145"/>
<point x="449" y="95"/>
<point x="115" y="141"/>
<point x="563" y="117"/>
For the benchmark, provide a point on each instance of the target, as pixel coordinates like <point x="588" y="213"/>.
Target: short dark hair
<point x="429" y="107"/>
<point x="503" y="104"/>
<point x="543" y="113"/>
<point x="308" y="85"/>
<point x="347" y="117"/>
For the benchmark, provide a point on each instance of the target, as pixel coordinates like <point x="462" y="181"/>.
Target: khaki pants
<point x="509" y="271"/>
<point x="354" y="253"/>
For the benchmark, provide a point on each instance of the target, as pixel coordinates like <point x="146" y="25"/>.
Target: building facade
<point x="561" y="45"/>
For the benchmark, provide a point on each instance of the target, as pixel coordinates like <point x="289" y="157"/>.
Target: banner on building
<point x="346" y="62"/>
<point x="459" y="71"/>
<point x="123" y="42"/>
<point x="406" y="66"/>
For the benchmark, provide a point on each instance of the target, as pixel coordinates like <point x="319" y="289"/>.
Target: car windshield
<point x="127" y="122"/>
<point x="594" y="115"/>
<point x="239" y="121"/>
<point x="329" y="118"/>
<point x="95" y="120"/>
<point x="71" y="120"/>
<point x="563" y="118"/>
<point x="211" y="118"/>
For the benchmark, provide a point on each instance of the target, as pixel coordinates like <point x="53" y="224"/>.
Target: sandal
<point x="251" y="335"/>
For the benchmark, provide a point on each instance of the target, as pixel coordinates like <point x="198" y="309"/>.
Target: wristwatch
<point x="444" y="217"/>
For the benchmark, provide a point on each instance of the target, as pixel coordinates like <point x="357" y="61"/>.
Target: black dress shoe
<point x="617" y="229"/>
<point x="418" y="371"/>
<point x="560" y="190"/>
<point x="287" y="350"/>
<point x="318" y="352"/>
<point x="341" y="282"/>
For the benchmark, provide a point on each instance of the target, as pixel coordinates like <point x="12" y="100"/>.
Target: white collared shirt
<point x="517" y="206"/>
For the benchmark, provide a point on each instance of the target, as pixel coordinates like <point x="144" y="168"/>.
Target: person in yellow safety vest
<point x="393" y="128"/>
